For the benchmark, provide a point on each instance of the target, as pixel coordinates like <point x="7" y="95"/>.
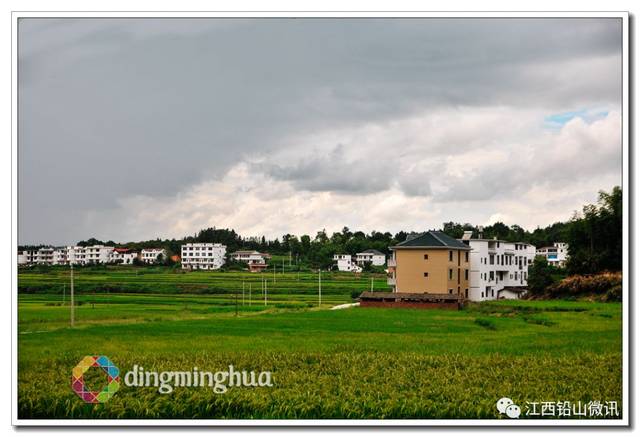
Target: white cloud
<point x="466" y="165"/>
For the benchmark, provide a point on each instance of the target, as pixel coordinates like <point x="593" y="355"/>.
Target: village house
<point x="28" y="256"/>
<point x="61" y="256"/>
<point x="82" y="255"/>
<point x="426" y="270"/>
<point x="346" y="263"/>
<point x="122" y="256"/>
<point x="431" y="263"/>
<point x="375" y="257"/>
<point x="203" y="256"/>
<point x="555" y="255"/>
<point x="150" y="256"/>
<point x="499" y="268"/>
<point x="255" y="260"/>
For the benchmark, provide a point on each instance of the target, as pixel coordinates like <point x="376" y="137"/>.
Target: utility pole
<point x="319" y="287"/>
<point x="72" y="302"/>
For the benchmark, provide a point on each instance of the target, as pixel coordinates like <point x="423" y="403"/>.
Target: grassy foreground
<point x="356" y="364"/>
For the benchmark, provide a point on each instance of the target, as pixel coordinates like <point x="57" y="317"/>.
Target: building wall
<point x="150" y="256"/>
<point x="203" y="256"/>
<point x="556" y="255"/>
<point x="96" y="254"/>
<point x="509" y="267"/>
<point x="411" y="266"/>
<point x="376" y="260"/>
<point x="347" y="265"/>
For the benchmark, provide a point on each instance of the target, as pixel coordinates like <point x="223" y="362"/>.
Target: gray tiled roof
<point x="372" y="251"/>
<point x="433" y="239"/>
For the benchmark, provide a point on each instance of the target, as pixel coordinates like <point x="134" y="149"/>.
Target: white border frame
<point x="627" y="408"/>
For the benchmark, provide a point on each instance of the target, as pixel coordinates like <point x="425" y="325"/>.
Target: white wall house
<point x="150" y="256"/>
<point x="556" y="255"/>
<point x="43" y="255"/>
<point x="60" y="256"/>
<point x="498" y="269"/>
<point x="27" y="256"/>
<point x="373" y="256"/>
<point x="346" y="263"/>
<point x="203" y="256"/>
<point x="255" y="260"/>
<point x="96" y="254"/>
<point x="122" y="256"/>
<point x="250" y="256"/>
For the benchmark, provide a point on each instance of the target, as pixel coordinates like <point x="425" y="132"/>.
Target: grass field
<point x="353" y="363"/>
<point x="158" y="280"/>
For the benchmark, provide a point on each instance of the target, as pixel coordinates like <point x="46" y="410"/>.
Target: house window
<point x="466" y="293"/>
<point x="426" y="256"/>
<point x="466" y="257"/>
<point x="426" y="274"/>
<point x="451" y="255"/>
<point x="458" y="290"/>
<point x="450" y="273"/>
<point x="466" y="274"/>
<point x="451" y="291"/>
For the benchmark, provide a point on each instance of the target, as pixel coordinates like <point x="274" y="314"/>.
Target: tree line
<point x="594" y="236"/>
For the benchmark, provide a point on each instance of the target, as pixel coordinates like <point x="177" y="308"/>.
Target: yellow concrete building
<point x="430" y="263"/>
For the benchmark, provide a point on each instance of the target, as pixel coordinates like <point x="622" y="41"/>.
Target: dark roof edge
<point x="429" y="247"/>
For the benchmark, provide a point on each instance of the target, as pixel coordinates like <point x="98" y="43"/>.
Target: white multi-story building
<point x="150" y="256"/>
<point x="556" y="255"/>
<point x="78" y="255"/>
<point x="375" y="257"/>
<point x="96" y="254"/>
<point x="498" y="269"/>
<point x="346" y="263"/>
<point x="203" y="256"/>
<point x="60" y="256"/>
<point x="28" y="256"/>
<point x="45" y="255"/>
<point x="122" y="256"/>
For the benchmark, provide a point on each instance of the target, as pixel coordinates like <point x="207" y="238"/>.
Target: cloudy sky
<point x="132" y="129"/>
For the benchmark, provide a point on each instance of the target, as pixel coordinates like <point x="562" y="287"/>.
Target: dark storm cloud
<point x="110" y="108"/>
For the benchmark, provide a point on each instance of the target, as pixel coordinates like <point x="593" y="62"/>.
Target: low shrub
<point x="486" y="323"/>
<point x="607" y="285"/>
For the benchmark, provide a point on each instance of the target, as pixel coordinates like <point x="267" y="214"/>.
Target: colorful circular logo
<point x="80" y="388"/>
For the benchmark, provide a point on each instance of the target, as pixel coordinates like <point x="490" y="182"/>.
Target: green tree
<point x="540" y="276"/>
<point x="595" y="235"/>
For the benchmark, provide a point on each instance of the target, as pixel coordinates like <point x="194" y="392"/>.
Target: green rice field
<point x="356" y="363"/>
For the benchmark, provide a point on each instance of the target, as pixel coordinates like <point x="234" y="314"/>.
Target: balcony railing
<point x="391" y="281"/>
